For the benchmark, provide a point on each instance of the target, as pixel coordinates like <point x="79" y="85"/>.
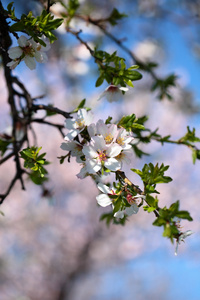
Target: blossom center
<point x="38" y="47"/>
<point x="28" y="50"/>
<point x="108" y="139"/>
<point x="80" y="123"/>
<point x="120" y="156"/>
<point x="112" y="89"/>
<point x="102" y="155"/>
<point x="120" y="141"/>
<point x="130" y="199"/>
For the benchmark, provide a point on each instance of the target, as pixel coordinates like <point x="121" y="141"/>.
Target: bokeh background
<point x="52" y="245"/>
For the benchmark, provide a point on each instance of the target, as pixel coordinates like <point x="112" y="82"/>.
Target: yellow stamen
<point x="108" y="139"/>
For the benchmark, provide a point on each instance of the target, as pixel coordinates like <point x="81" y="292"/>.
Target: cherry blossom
<point x="181" y="238"/>
<point x="104" y="199"/>
<point x="29" y="51"/>
<point x="109" y="132"/>
<point x="124" y="139"/>
<point x="75" y="149"/>
<point x="113" y="93"/>
<point x="98" y="154"/>
<point x="77" y="124"/>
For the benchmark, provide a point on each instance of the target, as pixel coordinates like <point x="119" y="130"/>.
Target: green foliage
<point x="189" y="139"/>
<point x="117" y="74"/>
<point x="166" y="219"/>
<point x="35" y="162"/>
<point x="4" y="146"/>
<point x="81" y="105"/>
<point x="152" y="203"/>
<point x="130" y="123"/>
<point x="11" y="11"/>
<point x="115" y="16"/>
<point x="163" y="85"/>
<point x="71" y="9"/>
<point x="35" y="26"/>
<point x="152" y="175"/>
<point x="190" y="136"/>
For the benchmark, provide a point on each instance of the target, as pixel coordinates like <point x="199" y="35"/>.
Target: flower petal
<point x="103" y="188"/>
<point x="30" y="62"/>
<point x="15" y="52"/>
<point x="23" y="41"/>
<point x="103" y="200"/>
<point x="114" y="150"/>
<point x="112" y="164"/>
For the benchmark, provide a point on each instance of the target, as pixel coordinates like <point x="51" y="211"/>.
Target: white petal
<point x="114" y="150"/>
<point x="15" y="52"/>
<point x="93" y="166"/>
<point x="133" y="209"/>
<point x="99" y="143"/>
<point x="23" y="41"/>
<point x="83" y="172"/>
<point x="41" y="57"/>
<point x="103" y="200"/>
<point x="71" y="135"/>
<point x="92" y="130"/>
<point x="113" y="164"/>
<point x="70" y="123"/>
<point x="89" y="151"/>
<point x="124" y="89"/>
<point x="101" y="127"/>
<point x="12" y="64"/>
<point x="30" y="62"/>
<point x="103" y="188"/>
<point x="119" y="214"/>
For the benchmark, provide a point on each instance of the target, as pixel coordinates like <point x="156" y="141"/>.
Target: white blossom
<point x="133" y="209"/>
<point x="124" y="139"/>
<point x="29" y="51"/>
<point x="77" y="124"/>
<point x="75" y="149"/>
<point x="113" y="93"/>
<point x="125" y="156"/>
<point x="129" y="211"/>
<point x="108" y="131"/>
<point x="181" y="238"/>
<point x="98" y="154"/>
<point x="104" y="199"/>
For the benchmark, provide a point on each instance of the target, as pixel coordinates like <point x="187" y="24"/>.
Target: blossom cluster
<point x="100" y="148"/>
<point x="28" y="51"/>
<point x="128" y="204"/>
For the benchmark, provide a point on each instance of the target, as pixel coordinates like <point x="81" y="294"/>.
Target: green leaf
<point x="159" y="222"/>
<point x="99" y="81"/>
<point x="182" y="214"/>
<point x="4" y="146"/>
<point x="115" y="16"/>
<point x="129" y="82"/>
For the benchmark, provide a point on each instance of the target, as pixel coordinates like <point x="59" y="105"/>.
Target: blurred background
<point x="52" y="244"/>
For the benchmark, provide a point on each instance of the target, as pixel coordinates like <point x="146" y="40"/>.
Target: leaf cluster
<point x="166" y="219"/>
<point x="113" y="69"/>
<point x="115" y="16"/>
<point x="35" y="161"/>
<point x="130" y="123"/>
<point x="163" y="86"/>
<point x="4" y="146"/>
<point x="152" y="175"/>
<point x="35" y="26"/>
<point x="71" y="9"/>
